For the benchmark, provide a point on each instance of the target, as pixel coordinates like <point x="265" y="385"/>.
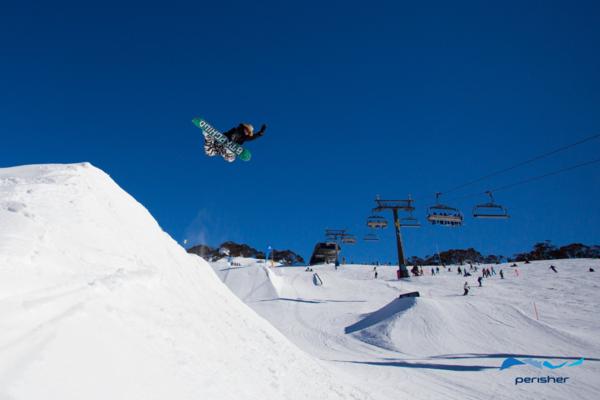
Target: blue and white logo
<point x="540" y="364"/>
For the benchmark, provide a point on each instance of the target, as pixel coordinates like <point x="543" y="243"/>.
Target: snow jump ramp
<point x="396" y="306"/>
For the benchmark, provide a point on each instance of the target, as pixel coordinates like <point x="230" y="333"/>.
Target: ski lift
<point x="371" y="237"/>
<point x="324" y="253"/>
<point x="377" y="222"/>
<point x="490" y="210"/>
<point x="410" y="222"/>
<point x="441" y="214"/>
<point x="349" y="240"/>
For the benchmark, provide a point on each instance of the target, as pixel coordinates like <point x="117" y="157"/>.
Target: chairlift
<point x="371" y="237"/>
<point x="349" y="240"/>
<point x="441" y="214"/>
<point x="491" y="210"/>
<point x="410" y="222"/>
<point x="377" y="222"/>
<point x="324" y="253"/>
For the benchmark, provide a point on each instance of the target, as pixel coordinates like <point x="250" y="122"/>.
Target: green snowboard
<point x="209" y="131"/>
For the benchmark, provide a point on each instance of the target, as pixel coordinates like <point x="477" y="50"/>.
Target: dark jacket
<point x="237" y="135"/>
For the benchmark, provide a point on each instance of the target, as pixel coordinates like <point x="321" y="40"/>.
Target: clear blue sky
<point x="360" y="98"/>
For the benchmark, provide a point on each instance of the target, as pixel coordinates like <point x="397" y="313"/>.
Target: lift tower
<point x="395" y="205"/>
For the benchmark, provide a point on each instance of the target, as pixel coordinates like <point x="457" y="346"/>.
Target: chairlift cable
<point x="520" y="164"/>
<point x="535" y="178"/>
<point x="532" y="179"/>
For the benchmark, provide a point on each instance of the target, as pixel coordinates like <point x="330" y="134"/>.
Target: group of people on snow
<point x="485" y="273"/>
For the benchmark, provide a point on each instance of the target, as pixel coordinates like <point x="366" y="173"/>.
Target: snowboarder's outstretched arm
<point x="258" y="134"/>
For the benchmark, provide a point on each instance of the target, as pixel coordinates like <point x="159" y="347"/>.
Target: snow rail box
<point x="410" y="294"/>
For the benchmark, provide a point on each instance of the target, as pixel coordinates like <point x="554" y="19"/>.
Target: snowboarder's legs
<point x="228" y="155"/>
<point x="211" y="148"/>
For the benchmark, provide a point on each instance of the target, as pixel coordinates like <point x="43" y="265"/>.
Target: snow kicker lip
<point x="393" y="308"/>
<point x="511" y="362"/>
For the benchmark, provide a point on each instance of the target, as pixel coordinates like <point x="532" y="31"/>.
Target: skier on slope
<point x="466" y="287"/>
<point x="240" y="134"/>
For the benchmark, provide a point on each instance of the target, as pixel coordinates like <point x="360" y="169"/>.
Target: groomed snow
<point x="97" y="302"/>
<point x="441" y="345"/>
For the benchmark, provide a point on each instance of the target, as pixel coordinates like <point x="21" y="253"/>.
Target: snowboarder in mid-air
<point x="240" y="134"/>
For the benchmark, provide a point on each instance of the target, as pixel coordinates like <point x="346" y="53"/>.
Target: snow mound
<point x="247" y="279"/>
<point x="97" y="302"/>
<point x="443" y="345"/>
<point x="383" y="315"/>
<point x="422" y="326"/>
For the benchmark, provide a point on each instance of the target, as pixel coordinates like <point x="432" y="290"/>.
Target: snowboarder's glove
<point x="262" y="130"/>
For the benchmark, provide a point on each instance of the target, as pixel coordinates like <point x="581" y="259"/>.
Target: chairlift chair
<point x="371" y="237"/>
<point x="491" y="210"/>
<point x="349" y="240"/>
<point x="441" y="214"/>
<point x="377" y="222"/>
<point x="410" y="222"/>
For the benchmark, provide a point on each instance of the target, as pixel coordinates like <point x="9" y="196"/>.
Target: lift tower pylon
<point x="395" y="205"/>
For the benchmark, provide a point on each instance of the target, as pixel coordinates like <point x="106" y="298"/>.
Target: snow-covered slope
<point x="97" y="302"/>
<point x="441" y="345"/>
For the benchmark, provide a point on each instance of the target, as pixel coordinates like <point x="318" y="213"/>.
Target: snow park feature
<point x="98" y="302"/>
<point x="439" y="345"/>
<point x="420" y="222"/>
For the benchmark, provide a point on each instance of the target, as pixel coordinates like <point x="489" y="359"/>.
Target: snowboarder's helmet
<point x="248" y="129"/>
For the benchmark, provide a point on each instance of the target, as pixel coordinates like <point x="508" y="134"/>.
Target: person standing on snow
<point x="480" y="279"/>
<point x="501" y="274"/>
<point x="466" y="287"/>
<point x="240" y="134"/>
